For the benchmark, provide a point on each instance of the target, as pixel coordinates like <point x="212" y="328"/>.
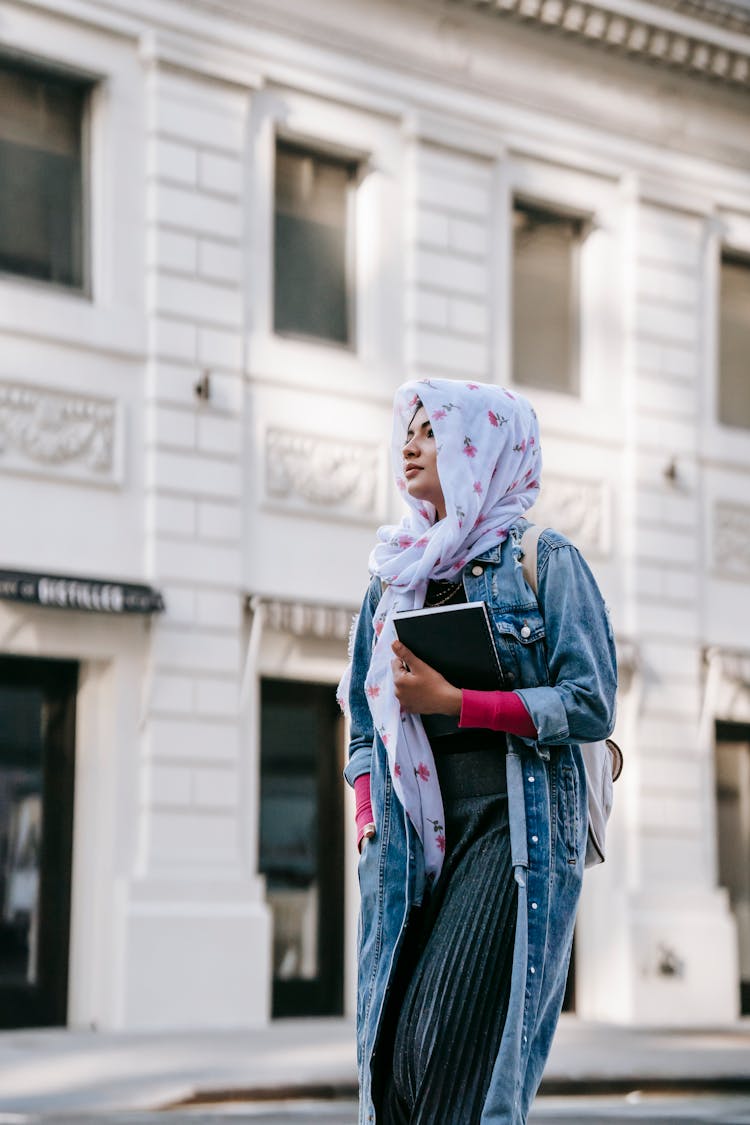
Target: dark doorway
<point x="569" y="998"/>
<point x="37" y="766"/>
<point x="733" y="827"/>
<point x="302" y="844"/>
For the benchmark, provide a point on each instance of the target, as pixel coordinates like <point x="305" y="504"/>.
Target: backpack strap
<point x="529" y="548"/>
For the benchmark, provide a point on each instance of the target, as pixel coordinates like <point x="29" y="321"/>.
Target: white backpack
<point x="603" y="760"/>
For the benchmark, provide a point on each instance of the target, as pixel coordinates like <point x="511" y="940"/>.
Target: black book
<point x="457" y="641"/>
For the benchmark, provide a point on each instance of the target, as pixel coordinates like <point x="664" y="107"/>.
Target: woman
<point x="472" y="842"/>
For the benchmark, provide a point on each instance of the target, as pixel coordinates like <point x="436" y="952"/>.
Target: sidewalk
<point x="78" y="1071"/>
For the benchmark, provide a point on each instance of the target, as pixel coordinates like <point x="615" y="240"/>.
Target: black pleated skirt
<point x="444" y="1023"/>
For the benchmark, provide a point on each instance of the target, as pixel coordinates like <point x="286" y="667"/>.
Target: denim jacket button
<point x="535" y="839"/>
<point x="477" y="570"/>
<point x="525" y="631"/>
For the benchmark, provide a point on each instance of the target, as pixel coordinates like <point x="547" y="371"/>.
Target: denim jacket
<point x="557" y="653"/>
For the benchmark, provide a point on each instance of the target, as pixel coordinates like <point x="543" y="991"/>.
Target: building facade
<point x="228" y="230"/>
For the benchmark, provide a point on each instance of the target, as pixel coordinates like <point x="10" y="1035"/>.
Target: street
<point x="614" y="1110"/>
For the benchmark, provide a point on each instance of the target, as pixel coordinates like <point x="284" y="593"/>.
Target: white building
<point x="228" y="229"/>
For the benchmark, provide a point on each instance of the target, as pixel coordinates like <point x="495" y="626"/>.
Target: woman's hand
<point x="419" y="688"/>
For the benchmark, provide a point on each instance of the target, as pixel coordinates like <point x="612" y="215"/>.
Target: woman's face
<point x="420" y="462"/>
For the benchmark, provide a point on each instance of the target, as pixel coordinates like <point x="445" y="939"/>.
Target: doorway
<point x="302" y="844"/>
<point x="37" y="769"/>
<point x="733" y="826"/>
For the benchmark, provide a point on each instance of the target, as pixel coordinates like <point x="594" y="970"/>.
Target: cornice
<point x="705" y="39"/>
<point x="644" y="32"/>
<point x="719" y="12"/>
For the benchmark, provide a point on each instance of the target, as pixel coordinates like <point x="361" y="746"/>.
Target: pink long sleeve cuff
<point x="496" y="710"/>
<point x="362" y="804"/>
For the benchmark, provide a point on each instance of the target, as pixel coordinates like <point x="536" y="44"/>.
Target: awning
<point x="86" y="595"/>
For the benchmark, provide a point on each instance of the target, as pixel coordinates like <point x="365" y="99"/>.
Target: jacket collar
<point x="493" y="554"/>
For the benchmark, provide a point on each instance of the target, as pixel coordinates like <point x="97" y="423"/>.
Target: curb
<point x="552" y="1087"/>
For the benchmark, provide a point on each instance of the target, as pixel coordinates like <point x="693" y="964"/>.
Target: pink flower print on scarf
<point x="422" y="772"/>
<point x="469" y="448"/>
<point x="496" y="419"/>
<point x="439" y="830"/>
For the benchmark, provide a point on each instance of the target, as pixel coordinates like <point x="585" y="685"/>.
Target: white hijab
<point x="489" y="463"/>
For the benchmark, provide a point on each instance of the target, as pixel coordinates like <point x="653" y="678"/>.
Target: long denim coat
<point x="558" y="655"/>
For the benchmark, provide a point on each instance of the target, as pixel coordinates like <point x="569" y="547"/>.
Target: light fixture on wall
<point x="670" y="471"/>
<point x="668" y="962"/>
<point x="203" y="387"/>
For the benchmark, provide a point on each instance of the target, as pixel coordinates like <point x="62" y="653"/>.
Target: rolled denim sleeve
<point x="579" y="703"/>
<point x="361" y="730"/>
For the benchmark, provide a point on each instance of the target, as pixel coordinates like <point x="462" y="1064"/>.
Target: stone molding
<point x="305" y="619"/>
<point x="647" y="39"/>
<point x="721" y="12"/>
<point x="578" y="508"/>
<point x="57" y="433"/>
<point x="731" y="541"/>
<point x="322" y="475"/>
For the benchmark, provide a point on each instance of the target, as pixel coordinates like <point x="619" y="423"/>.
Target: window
<point x="313" y="246"/>
<point x="734" y="341"/>
<point x="546" y="309"/>
<point x="41" y="174"/>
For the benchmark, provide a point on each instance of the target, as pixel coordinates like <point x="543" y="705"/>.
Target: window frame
<point x="356" y="171"/>
<point x="377" y="145"/>
<point x="597" y="200"/>
<point x="727" y="232"/>
<point x="32" y="64"/>
<point x="113" y="316"/>
<point x="583" y="222"/>
<point x="734" y="257"/>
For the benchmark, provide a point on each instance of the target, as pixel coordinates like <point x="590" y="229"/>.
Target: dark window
<point x="734" y="341"/>
<point x="302" y="844"/>
<point x="732" y="767"/>
<point x="41" y="174"/>
<point x="37" y="768"/>
<point x="546" y="301"/>
<point x="313" y="246"/>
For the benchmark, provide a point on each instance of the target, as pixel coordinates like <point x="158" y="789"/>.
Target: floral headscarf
<point x="489" y="463"/>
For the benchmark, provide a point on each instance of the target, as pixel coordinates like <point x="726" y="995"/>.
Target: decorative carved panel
<point x="578" y="508"/>
<point x="57" y="433"/>
<point x="731" y="541"/>
<point x="305" y="619"/>
<point x="319" y="474"/>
